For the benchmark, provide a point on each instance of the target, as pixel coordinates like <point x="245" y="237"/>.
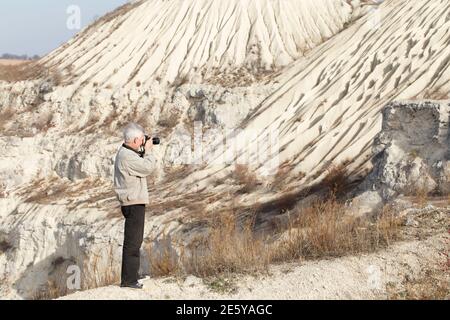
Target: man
<point x="131" y="168"/>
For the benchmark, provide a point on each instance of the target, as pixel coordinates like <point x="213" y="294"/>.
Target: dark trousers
<point x="134" y="234"/>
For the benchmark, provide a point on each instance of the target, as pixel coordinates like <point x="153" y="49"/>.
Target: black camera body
<point x="155" y="140"/>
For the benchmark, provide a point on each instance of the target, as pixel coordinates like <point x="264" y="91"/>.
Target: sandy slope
<point x="362" y="277"/>
<point x="163" y="40"/>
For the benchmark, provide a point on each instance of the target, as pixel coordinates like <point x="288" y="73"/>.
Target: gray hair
<point x="132" y="131"/>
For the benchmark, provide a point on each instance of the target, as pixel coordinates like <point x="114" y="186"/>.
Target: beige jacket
<point x="130" y="172"/>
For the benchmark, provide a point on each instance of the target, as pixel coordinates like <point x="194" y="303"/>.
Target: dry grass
<point x="167" y="123"/>
<point x="56" y="285"/>
<point x="174" y="173"/>
<point x="54" y="189"/>
<point x="282" y="177"/>
<point x="37" y="192"/>
<point x="436" y="94"/>
<point x="107" y="18"/>
<point x="239" y="77"/>
<point x="245" y="178"/>
<point x="20" y="72"/>
<point x="326" y="230"/>
<point x="230" y="247"/>
<point x="336" y="181"/>
<point x="91" y="125"/>
<point x="163" y="262"/>
<point x="5" y="246"/>
<point x="96" y="272"/>
<point x="180" y="80"/>
<point x="322" y="230"/>
<point x="6" y="115"/>
<point x="31" y="70"/>
<point x="140" y="117"/>
<point x="420" y="196"/>
<point x="101" y="273"/>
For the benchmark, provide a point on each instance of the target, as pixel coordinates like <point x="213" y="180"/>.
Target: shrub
<point x="245" y="178"/>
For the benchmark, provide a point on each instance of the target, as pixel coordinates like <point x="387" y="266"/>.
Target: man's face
<point x="137" y="142"/>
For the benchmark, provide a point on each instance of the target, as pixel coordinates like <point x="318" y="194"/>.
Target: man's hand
<point x="148" y="146"/>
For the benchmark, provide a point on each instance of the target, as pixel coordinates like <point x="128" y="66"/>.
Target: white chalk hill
<point x="327" y="106"/>
<point x="165" y="40"/>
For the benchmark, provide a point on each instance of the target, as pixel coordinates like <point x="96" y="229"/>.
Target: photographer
<point x="132" y="165"/>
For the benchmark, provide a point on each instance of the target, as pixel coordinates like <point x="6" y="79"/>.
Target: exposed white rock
<point x="412" y="149"/>
<point x="367" y="204"/>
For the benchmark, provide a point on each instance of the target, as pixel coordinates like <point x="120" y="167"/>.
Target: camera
<point x="155" y="140"/>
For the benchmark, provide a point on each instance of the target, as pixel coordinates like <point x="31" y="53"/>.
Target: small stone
<point x="410" y="222"/>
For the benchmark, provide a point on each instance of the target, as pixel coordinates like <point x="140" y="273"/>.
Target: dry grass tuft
<point x="436" y="95"/>
<point x="6" y="114"/>
<point x="245" y="178"/>
<point x="336" y="181"/>
<point x="5" y="246"/>
<point x="163" y="262"/>
<point x="101" y="273"/>
<point x="420" y="196"/>
<point x="180" y="80"/>
<point x="95" y="273"/>
<point x="228" y="248"/>
<point x="174" y="173"/>
<point x="284" y="176"/>
<point x="35" y="192"/>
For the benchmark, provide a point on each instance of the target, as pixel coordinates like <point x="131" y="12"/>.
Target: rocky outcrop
<point x="412" y="150"/>
<point x="410" y="157"/>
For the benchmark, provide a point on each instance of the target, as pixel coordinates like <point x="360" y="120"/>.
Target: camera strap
<point x="140" y="153"/>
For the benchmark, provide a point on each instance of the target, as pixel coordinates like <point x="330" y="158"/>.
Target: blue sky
<point x="39" y="26"/>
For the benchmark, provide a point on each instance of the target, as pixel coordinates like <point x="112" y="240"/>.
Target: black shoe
<point x="136" y="285"/>
<point x="141" y="277"/>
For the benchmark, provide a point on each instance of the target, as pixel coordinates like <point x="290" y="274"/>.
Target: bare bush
<point x="245" y="178"/>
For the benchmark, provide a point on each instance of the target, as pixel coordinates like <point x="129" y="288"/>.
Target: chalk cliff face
<point x="301" y="82"/>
